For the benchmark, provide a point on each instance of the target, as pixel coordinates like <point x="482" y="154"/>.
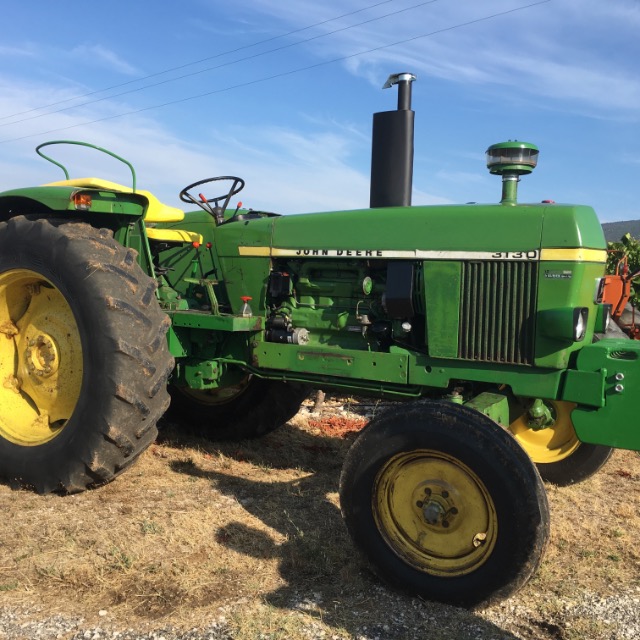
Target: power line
<point x="284" y="73"/>
<point x="225" y="64"/>
<point x="188" y="64"/>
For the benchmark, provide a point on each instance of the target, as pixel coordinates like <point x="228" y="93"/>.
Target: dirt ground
<point x="249" y="536"/>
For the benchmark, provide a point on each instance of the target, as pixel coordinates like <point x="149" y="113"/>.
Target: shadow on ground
<point x="324" y="576"/>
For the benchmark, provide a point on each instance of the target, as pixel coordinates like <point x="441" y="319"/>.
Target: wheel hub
<point x="435" y="513"/>
<point x="40" y="359"/>
<point x="438" y="506"/>
<point x="549" y="444"/>
<point x="41" y="356"/>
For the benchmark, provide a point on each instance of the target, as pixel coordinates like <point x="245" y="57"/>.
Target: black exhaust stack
<point x="392" y="149"/>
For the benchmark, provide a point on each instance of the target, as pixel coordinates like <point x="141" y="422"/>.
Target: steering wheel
<point x="212" y="205"/>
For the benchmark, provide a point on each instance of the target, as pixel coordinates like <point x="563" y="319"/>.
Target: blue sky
<point x="289" y="104"/>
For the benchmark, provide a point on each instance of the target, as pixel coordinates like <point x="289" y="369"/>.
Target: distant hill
<point x="613" y="231"/>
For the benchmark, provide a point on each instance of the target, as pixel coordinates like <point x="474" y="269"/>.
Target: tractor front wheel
<point x="560" y="457"/>
<point x="444" y="504"/>
<point x="83" y="358"/>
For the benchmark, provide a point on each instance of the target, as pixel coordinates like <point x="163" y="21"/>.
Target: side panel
<point x="441" y="284"/>
<point x="613" y="368"/>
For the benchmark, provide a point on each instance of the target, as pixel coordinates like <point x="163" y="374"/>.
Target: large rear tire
<point x="560" y="457"/>
<point x="83" y="359"/>
<point x="444" y="504"/>
<point x="250" y="409"/>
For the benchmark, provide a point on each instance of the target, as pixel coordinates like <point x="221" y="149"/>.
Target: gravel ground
<point x="25" y="624"/>
<point x="618" y="615"/>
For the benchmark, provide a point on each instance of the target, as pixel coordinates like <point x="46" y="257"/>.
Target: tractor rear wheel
<point x="444" y="504"/>
<point x="560" y="457"/>
<point x="83" y="359"/>
<point x="249" y="409"/>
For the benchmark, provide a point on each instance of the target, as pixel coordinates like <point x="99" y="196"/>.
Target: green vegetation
<point x="630" y="247"/>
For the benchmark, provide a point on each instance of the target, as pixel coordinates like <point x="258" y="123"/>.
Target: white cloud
<point x="103" y="57"/>
<point x="568" y="52"/>
<point x="290" y="171"/>
<point x="26" y="50"/>
<point x="286" y="170"/>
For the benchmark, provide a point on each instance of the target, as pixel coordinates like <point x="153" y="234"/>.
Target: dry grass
<point x="252" y="532"/>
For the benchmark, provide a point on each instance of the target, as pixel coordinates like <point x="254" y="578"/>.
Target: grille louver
<point x="497" y="311"/>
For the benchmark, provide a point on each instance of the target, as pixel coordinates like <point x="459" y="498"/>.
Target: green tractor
<point x="487" y="320"/>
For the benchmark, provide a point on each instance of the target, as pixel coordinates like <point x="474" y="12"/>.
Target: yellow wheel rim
<point x="552" y="444"/>
<point x="40" y="359"/>
<point x="435" y="513"/>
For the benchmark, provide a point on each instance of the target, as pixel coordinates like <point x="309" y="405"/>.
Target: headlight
<point x="568" y="324"/>
<point x="603" y="318"/>
<point x="580" y="316"/>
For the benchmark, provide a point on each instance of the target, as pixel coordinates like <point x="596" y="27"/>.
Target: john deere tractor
<point x="487" y="320"/>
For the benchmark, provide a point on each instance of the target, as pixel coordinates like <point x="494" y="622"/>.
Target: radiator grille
<point x="497" y="311"/>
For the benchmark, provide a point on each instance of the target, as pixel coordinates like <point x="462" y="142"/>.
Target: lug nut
<point x="479" y="539"/>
